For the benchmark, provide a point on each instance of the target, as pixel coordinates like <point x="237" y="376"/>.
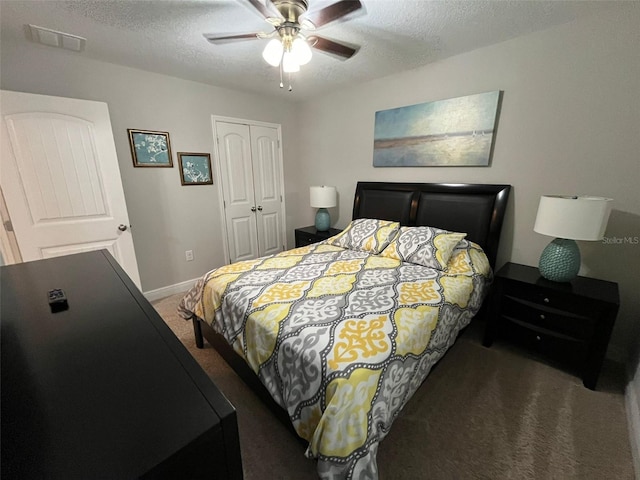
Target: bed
<point x="337" y="336"/>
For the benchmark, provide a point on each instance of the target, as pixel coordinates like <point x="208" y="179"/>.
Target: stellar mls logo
<point x="621" y="240"/>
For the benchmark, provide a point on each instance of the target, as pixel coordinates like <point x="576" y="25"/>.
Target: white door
<point x="234" y="152"/>
<point x="60" y="177"/>
<point x="266" y="185"/>
<point x="251" y="172"/>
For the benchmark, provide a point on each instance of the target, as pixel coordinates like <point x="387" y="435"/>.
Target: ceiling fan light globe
<point x="301" y="51"/>
<point x="272" y="52"/>
<point x="289" y="63"/>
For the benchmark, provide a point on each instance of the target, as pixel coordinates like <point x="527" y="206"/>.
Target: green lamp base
<point x="323" y="221"/>
<point x="560" y="260"/>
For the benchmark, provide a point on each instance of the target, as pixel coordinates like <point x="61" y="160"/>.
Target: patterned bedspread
<point x="341" y="338"/>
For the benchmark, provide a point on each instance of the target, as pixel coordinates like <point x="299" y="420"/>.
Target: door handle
<point x="253" y="209"/>
<point x="122" y="227"/>
<point x="260" y="208"/>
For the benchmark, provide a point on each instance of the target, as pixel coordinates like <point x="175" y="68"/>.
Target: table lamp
<point x="568" y="218"/>
<point x="322" y="198"/>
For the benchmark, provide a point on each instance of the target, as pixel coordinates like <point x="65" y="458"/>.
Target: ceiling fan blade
<point x="213" y="38"/>
<point x="333" y="12"/>
<point x="331" y="46"/>
<point x="267" y="9"/>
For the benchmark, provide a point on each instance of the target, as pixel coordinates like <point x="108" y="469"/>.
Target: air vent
<point x="53" y="38"/>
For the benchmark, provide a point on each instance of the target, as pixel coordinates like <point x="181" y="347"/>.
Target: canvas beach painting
<point x="453" y="132"/>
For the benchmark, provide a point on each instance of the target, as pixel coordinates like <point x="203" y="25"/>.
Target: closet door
<point x="234" y="150"/>
<point x="266" y="184"/>
<point x="251" y="174"/>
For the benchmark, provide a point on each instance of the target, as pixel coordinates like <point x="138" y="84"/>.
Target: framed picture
<point x="150" y="149"/>
<point x="195" y="168"/>
<point x="451" y="133"/>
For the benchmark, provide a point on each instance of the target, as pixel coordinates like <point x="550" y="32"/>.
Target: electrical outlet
<point x="189" y="255"/>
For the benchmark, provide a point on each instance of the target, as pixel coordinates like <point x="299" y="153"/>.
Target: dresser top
<point x="314" y="231"/>
<point x="102" y="388"/>
<point x="583" y="286"/>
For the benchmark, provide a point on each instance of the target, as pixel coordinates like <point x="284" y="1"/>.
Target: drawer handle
<point x="546" y="300"/>
<point x="542" y="317"/>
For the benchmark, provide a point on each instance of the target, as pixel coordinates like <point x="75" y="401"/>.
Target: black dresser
<point x="102" y="388"/>
<point x="567" y="322"/>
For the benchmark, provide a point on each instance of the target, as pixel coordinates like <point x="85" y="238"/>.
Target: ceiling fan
<point x="291" y="45"/>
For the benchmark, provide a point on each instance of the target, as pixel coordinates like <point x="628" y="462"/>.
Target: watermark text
<point x="621" y="240"/>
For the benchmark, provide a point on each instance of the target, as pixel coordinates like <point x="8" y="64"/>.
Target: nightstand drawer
<point x="549" y="343"/>
<point x="308" y="235"/>
<point x="303" y="240"/>
<point x="577" y="326"/>
<point x="550" y="299"/>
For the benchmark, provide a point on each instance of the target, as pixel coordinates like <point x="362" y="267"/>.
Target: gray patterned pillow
<point x="366" y="234"/>
<point x="428" y="246"/>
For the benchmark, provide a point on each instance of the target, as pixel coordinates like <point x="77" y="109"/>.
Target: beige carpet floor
<point x="483" y="413"/>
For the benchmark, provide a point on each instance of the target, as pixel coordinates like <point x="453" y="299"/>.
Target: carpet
<point x="483" y="413"/>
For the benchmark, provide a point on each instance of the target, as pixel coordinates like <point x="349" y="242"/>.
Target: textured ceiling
<point x="165" y="36"/>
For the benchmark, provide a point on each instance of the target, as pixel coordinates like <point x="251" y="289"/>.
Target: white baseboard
<point x="167" y="291"/>
<point x="632" y="403"/>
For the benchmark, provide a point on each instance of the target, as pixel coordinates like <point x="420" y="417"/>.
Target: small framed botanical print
<point x="150" y="149"/>
<point x="195" y="168"/>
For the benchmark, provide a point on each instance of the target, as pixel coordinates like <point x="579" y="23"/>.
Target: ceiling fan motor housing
<point x="291" y="9"/>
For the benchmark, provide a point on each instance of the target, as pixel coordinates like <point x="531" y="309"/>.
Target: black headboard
<point x="475" y="209"/>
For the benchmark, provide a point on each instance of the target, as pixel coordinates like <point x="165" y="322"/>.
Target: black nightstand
<point x="308" y="235"/>
<point x="568" y="322"/>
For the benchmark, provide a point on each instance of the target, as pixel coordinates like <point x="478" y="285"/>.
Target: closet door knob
<point x="122" y="227"/>
<point x="260" y="207"/>
<point x="253" y="209"/>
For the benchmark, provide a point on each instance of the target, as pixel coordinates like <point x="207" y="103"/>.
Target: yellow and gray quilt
<point x="341" y="338"/>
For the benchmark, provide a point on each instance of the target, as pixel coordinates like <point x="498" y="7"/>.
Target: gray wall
<point x="570" y="123"/>
<point x="167" y="218"/>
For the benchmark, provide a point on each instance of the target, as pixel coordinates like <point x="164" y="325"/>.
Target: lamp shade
<point x="323" y="197"/>
<point x="301" y="51"/>
<point x="289" y="63"/>
<point x="272" y="53"/>
<point x="573" y="217"/>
